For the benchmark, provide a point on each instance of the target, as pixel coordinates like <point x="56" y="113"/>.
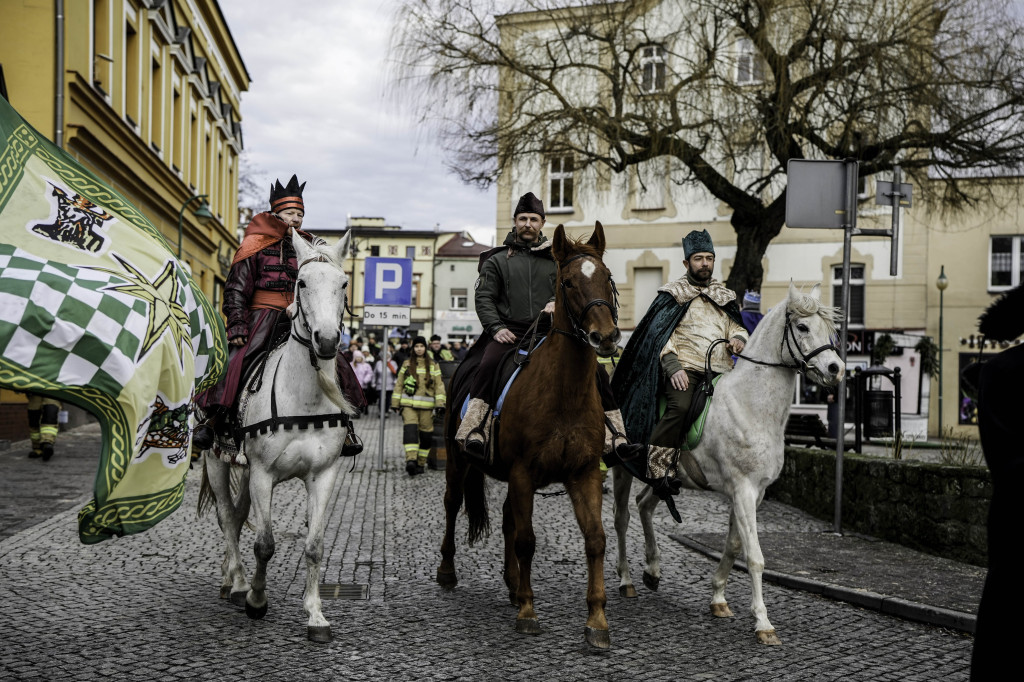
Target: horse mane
<point x="806" y="305"/>
<point x="580" y="245"/>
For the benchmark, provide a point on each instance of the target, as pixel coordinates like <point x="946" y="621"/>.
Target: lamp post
<point x="353" y="249"/>
<point x="941" y="283"/>
<point x="202" y="214"/>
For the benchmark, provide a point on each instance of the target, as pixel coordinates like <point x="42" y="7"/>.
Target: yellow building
<point x="146" y="94"/>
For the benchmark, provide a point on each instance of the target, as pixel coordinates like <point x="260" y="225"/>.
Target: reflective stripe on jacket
<point x="429" y="391"/>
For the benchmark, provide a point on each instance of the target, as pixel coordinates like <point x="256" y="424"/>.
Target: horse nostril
<point x="833" y="368"/>
<point x="617" y="336"/>
<point x="595" y="339"/>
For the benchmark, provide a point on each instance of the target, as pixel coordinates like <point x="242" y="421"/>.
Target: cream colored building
<point x="147" y="95"/>
<point x="645" y="216"/>
<point x="373" y="237"/>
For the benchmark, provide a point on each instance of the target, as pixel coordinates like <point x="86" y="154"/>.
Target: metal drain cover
<point x="350" y="591"/>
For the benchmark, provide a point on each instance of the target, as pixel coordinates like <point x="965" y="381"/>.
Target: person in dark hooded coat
<point x="999" y="412"/>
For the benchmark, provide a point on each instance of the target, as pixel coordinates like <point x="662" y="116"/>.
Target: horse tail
<point x="206" y="497"/>
<point x="475" y="496"/>
<point x="327" y="378"/>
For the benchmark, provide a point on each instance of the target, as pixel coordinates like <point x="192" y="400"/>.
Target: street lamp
<point x="202" y="214"/>
<point x="941" y="283"/>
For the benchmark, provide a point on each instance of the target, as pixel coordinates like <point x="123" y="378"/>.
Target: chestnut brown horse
<point x="551" y="430"/>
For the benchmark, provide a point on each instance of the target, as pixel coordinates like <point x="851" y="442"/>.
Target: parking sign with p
<point x="388" y="281"/>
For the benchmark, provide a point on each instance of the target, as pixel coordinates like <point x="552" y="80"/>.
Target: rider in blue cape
<point x="665" y="357"/>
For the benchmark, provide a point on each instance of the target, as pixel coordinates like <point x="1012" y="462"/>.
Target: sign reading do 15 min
<point x="387" y="292"/>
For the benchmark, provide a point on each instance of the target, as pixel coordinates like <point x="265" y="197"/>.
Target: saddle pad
<point x="696" y="430"/>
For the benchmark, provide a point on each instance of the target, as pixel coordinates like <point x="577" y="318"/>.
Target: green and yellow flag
<point x="96" y="310"/>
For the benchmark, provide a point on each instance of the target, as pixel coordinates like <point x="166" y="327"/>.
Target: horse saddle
<point x="508" y="370"/>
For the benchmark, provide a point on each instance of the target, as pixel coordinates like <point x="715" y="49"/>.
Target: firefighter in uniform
<point x="419" y="393"/>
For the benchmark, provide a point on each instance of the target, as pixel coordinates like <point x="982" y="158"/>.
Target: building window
<point x="392" y="249"/>
<point x="560" y="184"/>
<point x="410" y="252"/>
<point x="102" y="62"/>
<point x="424" y="250"/>
<point x="749" y="65"/>
<point x="1005" y="265"/>
<point x="652" y="69"/>
<point x="156" y="106"/>
<point x="132" y="85"/>
<point x="416" y="289"/>
<point x="856" y="311"/>
<point x="374" y="251"/>
<point x="460" y="299"/>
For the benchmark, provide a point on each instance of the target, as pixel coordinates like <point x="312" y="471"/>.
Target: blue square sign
<point x="388" y="281"/>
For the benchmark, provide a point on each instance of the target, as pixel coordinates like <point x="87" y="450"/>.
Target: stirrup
<point x="203" y="436"/>
<point x="353" y="444"/>
<point x="477" y="447"/>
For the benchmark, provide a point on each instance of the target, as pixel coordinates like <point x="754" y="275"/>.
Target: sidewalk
<point x="854" y="568"/>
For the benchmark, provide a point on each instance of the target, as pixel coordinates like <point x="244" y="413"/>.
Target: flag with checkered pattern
<point x="95" y="310"/>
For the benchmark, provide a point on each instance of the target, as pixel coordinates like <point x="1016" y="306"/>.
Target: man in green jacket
<point x="516" y="284"/>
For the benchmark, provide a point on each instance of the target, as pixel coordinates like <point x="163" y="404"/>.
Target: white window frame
<point x="749" y="65"/>
<point x="460" y="299"/>
<point x="1016" y="242"/>
<point x="652" y="68"/>
<point x="558" y="174"/>
<point x="861" y="282"/>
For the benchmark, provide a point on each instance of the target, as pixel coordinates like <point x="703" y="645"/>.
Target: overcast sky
<point x="317" y="107"/>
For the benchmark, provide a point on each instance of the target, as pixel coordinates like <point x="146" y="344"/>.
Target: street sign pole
<point x="849" y="225"/>
<point x="386" y="357"/>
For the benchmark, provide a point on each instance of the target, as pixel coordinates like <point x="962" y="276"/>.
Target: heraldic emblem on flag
<point x="95" y="310"/>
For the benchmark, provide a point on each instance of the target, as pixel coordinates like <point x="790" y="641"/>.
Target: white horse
<point x="295" y="428"/>
<point x="741" y="452"/>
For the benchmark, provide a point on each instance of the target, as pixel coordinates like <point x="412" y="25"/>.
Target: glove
<point x="409" y="385"/>
<point x="438" y="413"/>
<point x="396" y="409"/>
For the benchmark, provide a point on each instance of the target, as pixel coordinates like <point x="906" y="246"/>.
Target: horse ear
<point x="816" y="292"/>
<point x="559" y="244"/>
<point x="597" y="239"/>
<point x="341" y="248"/>
<point x="793" y="293"/>
<point x="302" y="249"/>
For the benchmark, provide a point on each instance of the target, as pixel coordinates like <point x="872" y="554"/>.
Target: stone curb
<point x="894" y="606"/>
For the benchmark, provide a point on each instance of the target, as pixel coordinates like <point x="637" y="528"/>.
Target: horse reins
<point x="801" y="366"/>
<point x="301" y="314"/>
<point x="576" y="321"/>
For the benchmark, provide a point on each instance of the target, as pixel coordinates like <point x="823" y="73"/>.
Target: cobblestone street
<point x="146" y="606"/>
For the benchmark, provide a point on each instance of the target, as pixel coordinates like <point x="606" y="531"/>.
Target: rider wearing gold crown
<point x="259" y="287"/>
<point x="666" y="356"/>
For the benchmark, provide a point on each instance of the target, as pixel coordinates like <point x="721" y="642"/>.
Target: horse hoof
<point x="768" y="637"/>
<point x="255" y="612"/>
<point x="598" y="639"/>
<point x="627" y="591"/>
<point x="238" y="598"/>
<point x="527" y="626"/>
<point x="721" y="610"/>
<point x="225" y="591"/>
<point x="321" y="634"/>
<point x="447" y="579"/>
<point x="651" y="581"/>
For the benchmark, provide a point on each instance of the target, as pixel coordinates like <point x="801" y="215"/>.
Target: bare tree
<point x="729" y="90"/>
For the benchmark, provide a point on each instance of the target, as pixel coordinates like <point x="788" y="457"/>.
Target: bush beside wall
<point x="934" y="508"/>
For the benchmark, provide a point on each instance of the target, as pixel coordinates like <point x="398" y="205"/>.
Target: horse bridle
<point x="788" y="342"/>
<point x="301" y="314"/>
<point x="576" y="320"/>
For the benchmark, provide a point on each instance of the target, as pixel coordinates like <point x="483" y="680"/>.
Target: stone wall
<point x="934" y="508"/>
